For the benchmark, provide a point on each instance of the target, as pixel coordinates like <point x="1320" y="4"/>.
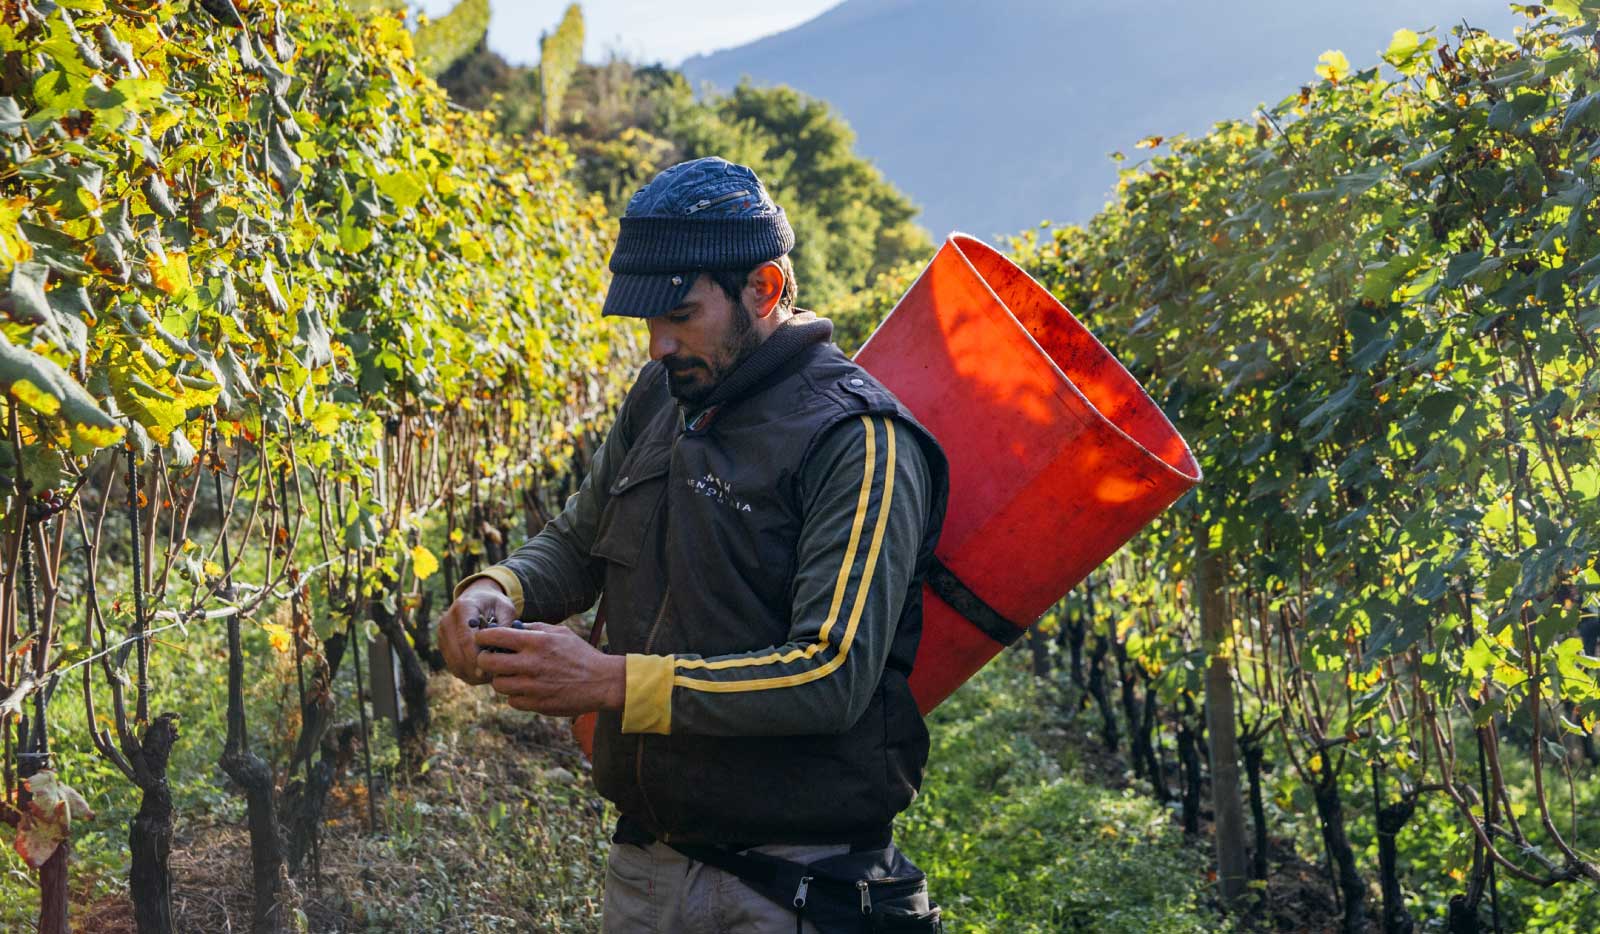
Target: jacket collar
<point x="802" y="330"/>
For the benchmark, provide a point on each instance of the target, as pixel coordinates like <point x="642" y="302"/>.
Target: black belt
<point x="632" y="831"/>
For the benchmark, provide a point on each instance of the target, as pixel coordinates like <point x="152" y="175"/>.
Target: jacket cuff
<point x="647" y="705"/>
<point x="504" y="577"/>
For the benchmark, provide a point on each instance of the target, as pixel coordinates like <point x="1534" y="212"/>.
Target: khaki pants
<point x="654" y="889"/>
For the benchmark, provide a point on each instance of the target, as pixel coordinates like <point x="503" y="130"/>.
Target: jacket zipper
<point x="638" y="759"/>
<point x="661" y="613"/>
<point x="649" y="643"/>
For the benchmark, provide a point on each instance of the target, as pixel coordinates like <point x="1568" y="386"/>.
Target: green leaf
<point x="43" y="386"/>
<point x="1504" y="576"/>
<point x="312" y="336"/>
<point x="1569" y="9"/>
<point x="1427" y="163"/>
<point x="42" y="468"/>
<point x="1333" y="405"/>
<point x="1368" y="357"/>
<point x="284" y="161"/>
<point x="27" y="302"/>
<point x="1582" y="111"/>
<point x="1317" y="489"/>
<point x="1478" y="660"/>
<point x="155" y="192"/>
<point x="1485" y="712"/>
<point x="11" y="122"/>
<point x="1461" y="267"/>
<point x="1502" y="116"/>
<point x="1402" y="45"/>
<point x="269" y="282"/>
<point x="1357" y="182"/>
<point x="402" y="188"/>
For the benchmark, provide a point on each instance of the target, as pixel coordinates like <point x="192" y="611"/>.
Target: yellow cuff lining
<point x="502" y="576"/>
<point x="647" y="706"/>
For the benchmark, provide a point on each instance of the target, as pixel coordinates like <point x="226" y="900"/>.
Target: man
<point x="760" y="518"/>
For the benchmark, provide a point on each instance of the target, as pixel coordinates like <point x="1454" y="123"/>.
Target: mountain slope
<point x="996" y="116"/>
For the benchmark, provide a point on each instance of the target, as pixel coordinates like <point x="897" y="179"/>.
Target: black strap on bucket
<point x="961" y="598"/>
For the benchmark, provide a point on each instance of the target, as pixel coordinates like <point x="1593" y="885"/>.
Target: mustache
<point x="682" y="364"/>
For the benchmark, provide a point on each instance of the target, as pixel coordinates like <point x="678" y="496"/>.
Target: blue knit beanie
<point x="706" y="214"/>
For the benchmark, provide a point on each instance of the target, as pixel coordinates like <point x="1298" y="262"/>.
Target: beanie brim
<point x="638" y="295"/>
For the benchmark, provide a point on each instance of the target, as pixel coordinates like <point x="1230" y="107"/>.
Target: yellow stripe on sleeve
<point x="828" y="667"/>
<point x="647" y="703"/>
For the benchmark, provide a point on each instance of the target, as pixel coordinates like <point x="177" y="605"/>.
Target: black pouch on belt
<point x="876" y="891"/>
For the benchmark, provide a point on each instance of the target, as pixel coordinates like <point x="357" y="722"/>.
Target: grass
<point x="1016" y="838"/>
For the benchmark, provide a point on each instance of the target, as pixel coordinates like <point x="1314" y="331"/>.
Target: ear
<point x="764" y="288"/>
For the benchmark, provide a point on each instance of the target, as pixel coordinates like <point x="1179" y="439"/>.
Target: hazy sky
<point x="642" y="30"/>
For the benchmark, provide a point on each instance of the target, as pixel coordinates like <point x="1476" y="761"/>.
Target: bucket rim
<point x="955" y="240"/>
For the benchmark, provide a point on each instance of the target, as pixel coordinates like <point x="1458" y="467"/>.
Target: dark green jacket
<point x="762" y="560"/>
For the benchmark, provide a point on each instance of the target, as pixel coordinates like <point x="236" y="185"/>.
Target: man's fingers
<point x="455" y="643"/>
<point x="447" y="640"/>
<point x="515" y="684"/>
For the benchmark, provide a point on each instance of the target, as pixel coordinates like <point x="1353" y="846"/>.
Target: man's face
<point x="702" y="340"/>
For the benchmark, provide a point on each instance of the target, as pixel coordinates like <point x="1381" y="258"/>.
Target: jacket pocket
<point x="634" y="502"/>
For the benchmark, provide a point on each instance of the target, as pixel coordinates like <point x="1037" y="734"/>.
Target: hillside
<point x="996" y="116"/>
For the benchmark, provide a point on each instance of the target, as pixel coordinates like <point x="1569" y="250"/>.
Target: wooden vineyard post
<point x="1226" y="802"/>
<point x="381" y="687"/>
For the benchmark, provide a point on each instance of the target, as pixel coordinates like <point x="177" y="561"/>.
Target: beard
<point x="692" y="380"/>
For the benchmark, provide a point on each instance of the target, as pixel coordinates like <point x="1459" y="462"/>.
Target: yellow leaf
<point x="1333" y="66"/>
<point x="170" y="275"/>
<point x="35" y="398"/>
<point x="423" y="562"/>
<point x="325" y="418"/>
<point x="14" y="246"/>
<point x="212" y="569"/>
<point x="279" y="636"/>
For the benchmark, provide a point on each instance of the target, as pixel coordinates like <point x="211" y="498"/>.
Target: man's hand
<point x="552" y="670"/>
<point x="483" y="597"/>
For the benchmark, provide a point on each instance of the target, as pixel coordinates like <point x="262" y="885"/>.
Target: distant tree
<point x="617" y="116"/>
<point x="483" y="80"/>
<point x="559" y="55"/>
<point x="851" y="223"/>
<point x="606" y="99"/>
<point x="626" y="122"/>
<point x="441" y="42"/>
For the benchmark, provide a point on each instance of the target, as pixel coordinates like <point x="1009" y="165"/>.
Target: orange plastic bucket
<point x="1057" y="456"/>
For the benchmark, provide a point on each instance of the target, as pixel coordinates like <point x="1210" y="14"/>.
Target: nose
<point x="662" y="343"/>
